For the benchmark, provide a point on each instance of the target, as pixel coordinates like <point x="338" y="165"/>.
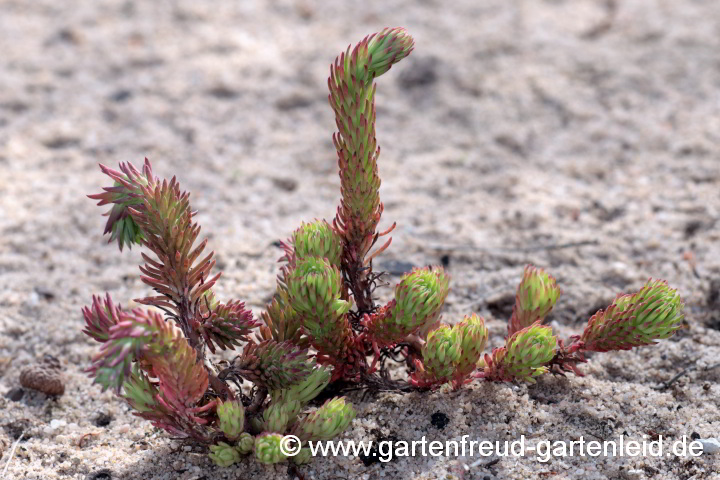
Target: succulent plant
<point x="315" y="293"/>
<point x="303" y="456"/>
<point x="473" y="337"/>
<point x="318" y="239"/>
<point x="322" y="324"/>
<point x="633" y="320"/>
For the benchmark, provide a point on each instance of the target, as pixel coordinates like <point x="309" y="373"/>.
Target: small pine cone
<point x="44" y="377"/>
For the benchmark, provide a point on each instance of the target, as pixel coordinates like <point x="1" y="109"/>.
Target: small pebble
<point x="57" y="423"/>
<point x="15" y="394"/>
<point x="710" y="445"/>
<point x="103" y="420"/>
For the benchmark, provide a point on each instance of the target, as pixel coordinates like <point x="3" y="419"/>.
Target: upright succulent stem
<point x="352" y="98"/>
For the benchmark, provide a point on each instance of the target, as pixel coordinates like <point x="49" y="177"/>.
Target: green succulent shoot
<point x="535" y="298"/>
<point x="473" y="338"/>
<point x="352" y="98"/>
<point x="246" y="443"/>
<point x="303" y="457"/>
<point x="312" y="240"/>
<point x="306" y="390"/>
<point x="525" y="355"/>
<point x="231" y="418"/>
<point x="419" y="297"/>
<point x="318" y="239"/>
<point x="315" y="288"/>
<point x="639" y="319"/>
<point x="267" y="448"/>
<point x="282" y="322"/>
<point x="451" y="354"/>
<point x="278" y="416"/>
<point x="440" y="355"/>
<point x="224" y="455"/>
<point x="326" y="422"/>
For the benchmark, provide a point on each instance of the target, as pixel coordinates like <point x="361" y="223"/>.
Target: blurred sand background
<point x="582" y="136"/>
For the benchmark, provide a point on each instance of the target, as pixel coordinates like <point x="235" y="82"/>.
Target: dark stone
<point x="104" y="474"/>
<point x="17" y="428"/>
<point x="286" y="184"/>
<point x="46" y="294"/>
<point x="713" y="297"/>
<point x="395" y="267"/>
<point x="15" y="394"/>
<point x="103" y="420"/>
<point x="223" y="92"/>
<point x="712" y="320"/>
<point x="501" y="305"/>
<point x="294" y="101"/>
<point x="694" y="435"/>
<point x="439" y="420"/>
<point x="445" y="260"/>
<point x="422" y="72"/>
<point x="121" y="95"/>
<point x="60" y="142"/>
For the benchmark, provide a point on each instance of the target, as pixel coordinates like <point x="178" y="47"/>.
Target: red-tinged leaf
<point x="226" y="325"/>
<point x="273" y="365"/>
<point x="101" y="317"/>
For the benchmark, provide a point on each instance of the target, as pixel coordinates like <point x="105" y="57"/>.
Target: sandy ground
<point x="514" y="129"/>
